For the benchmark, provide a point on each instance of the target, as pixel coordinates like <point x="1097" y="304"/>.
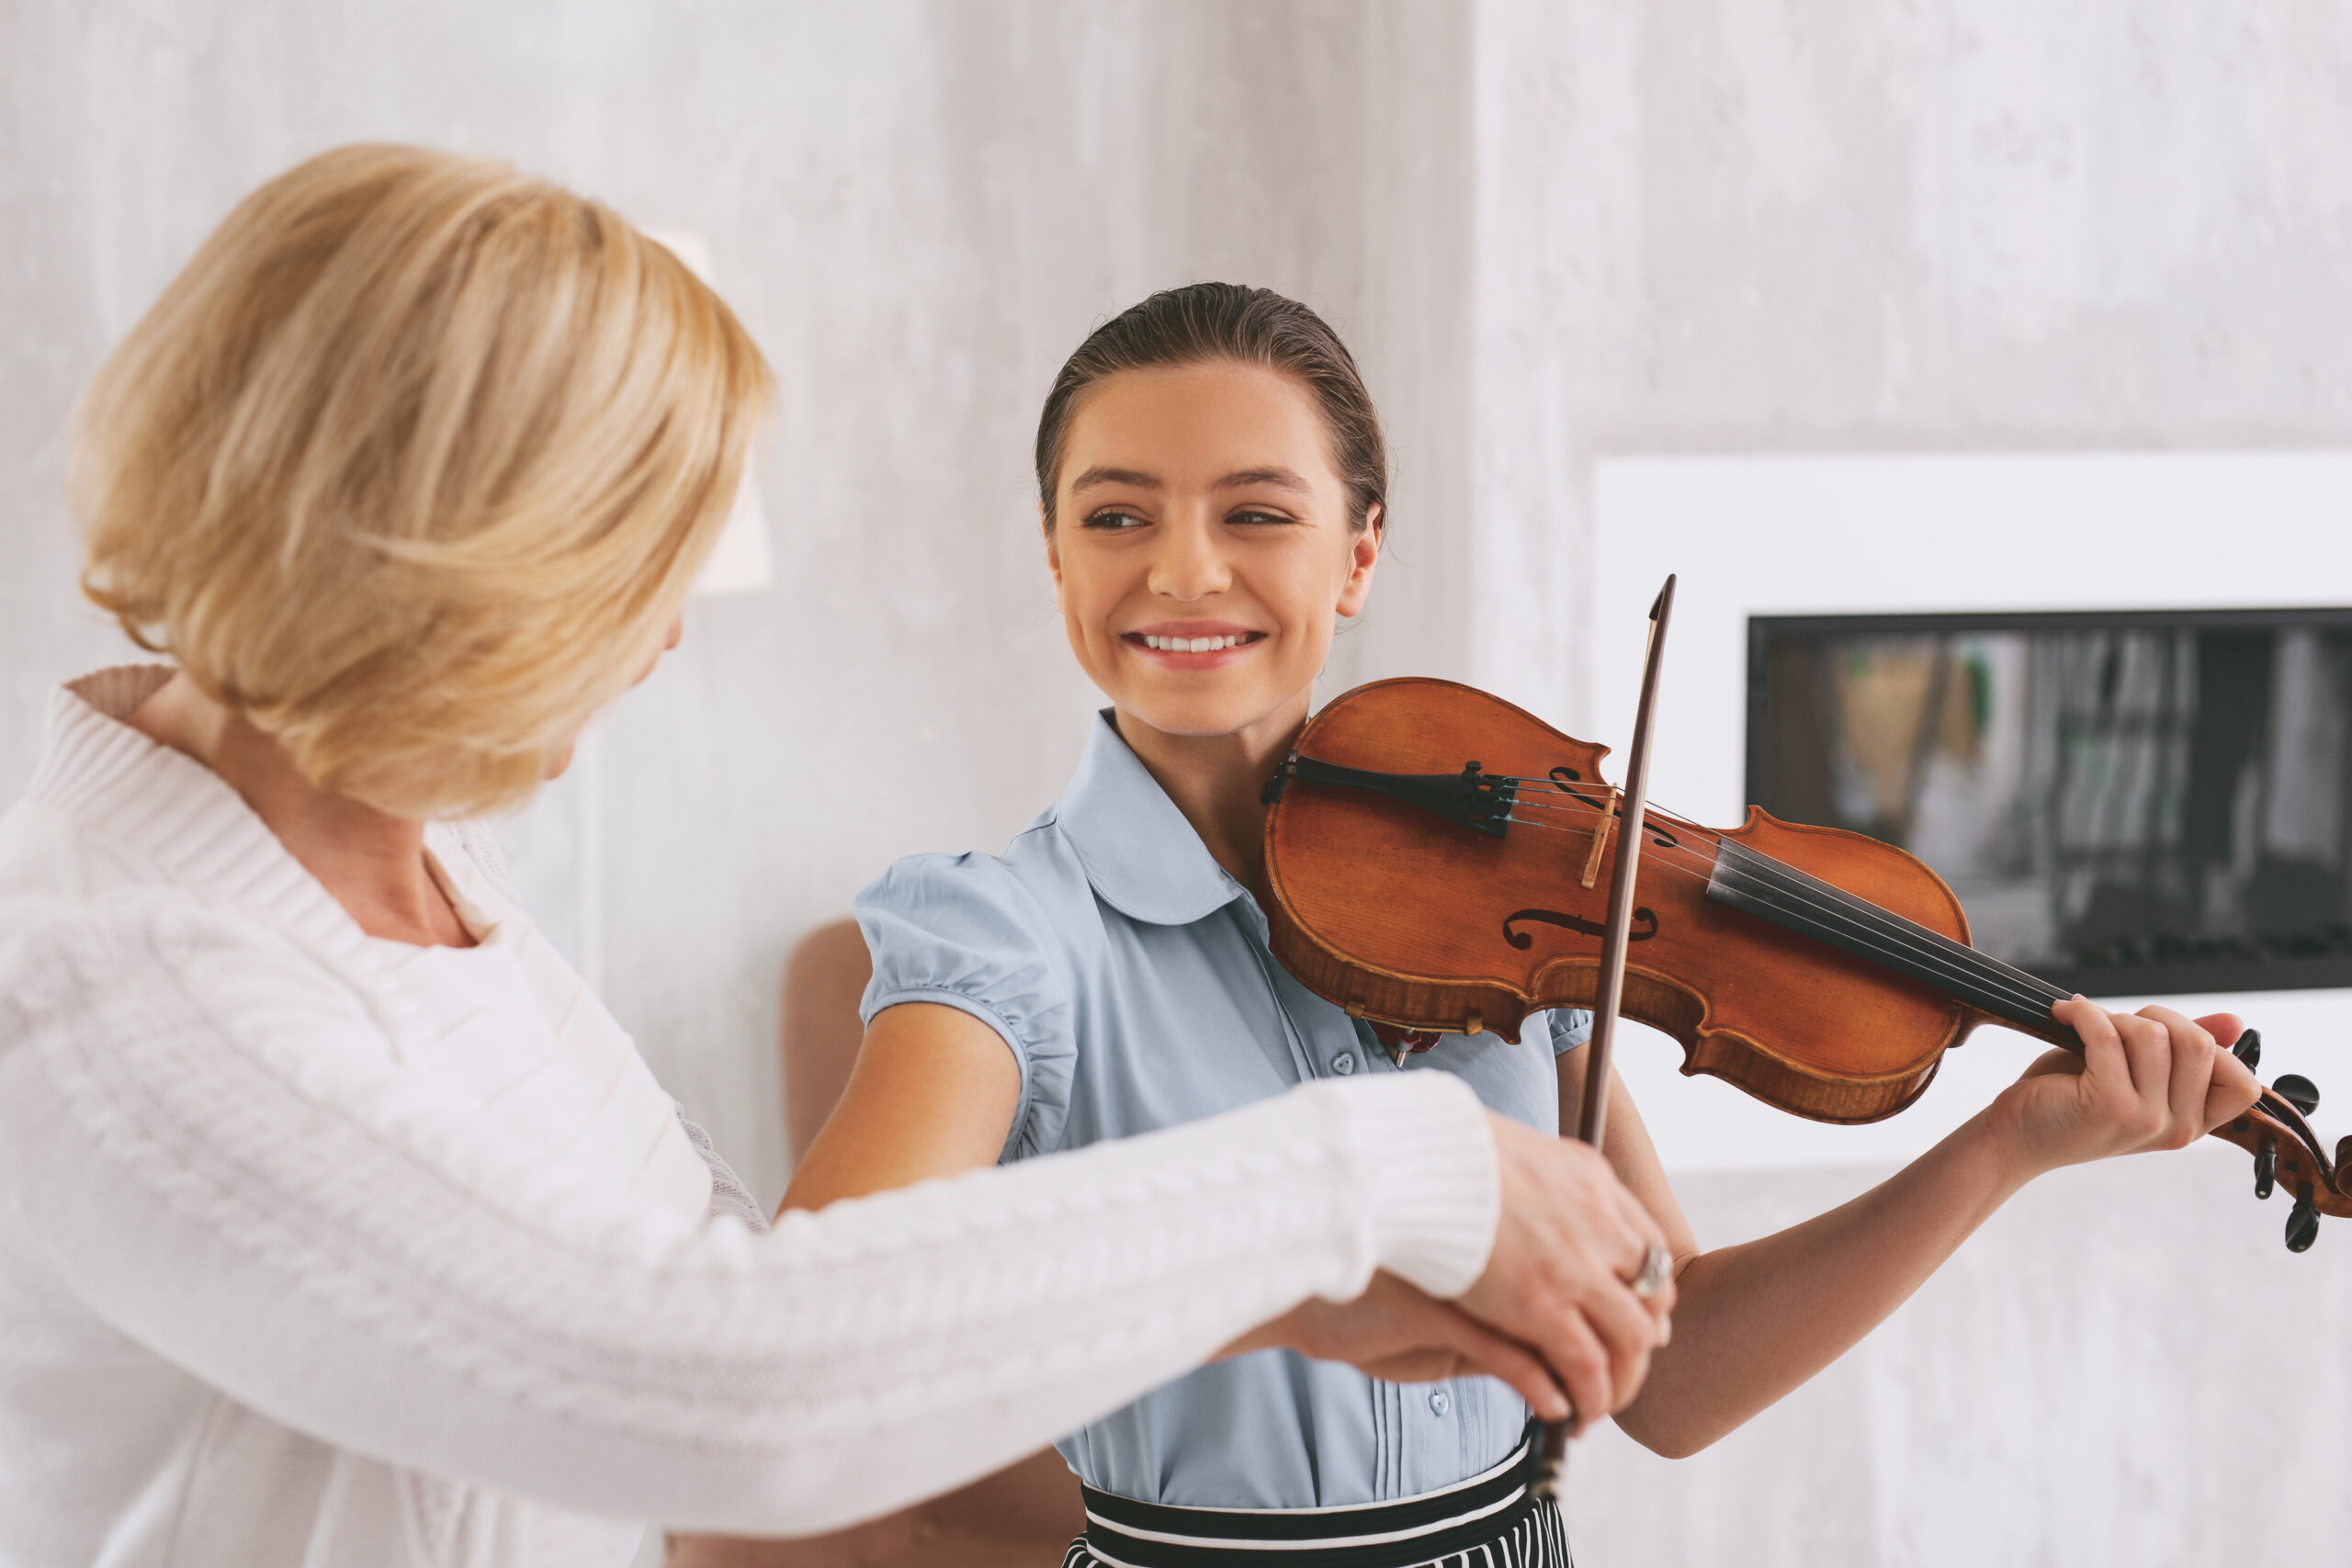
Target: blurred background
<point x="1833" y="307"/>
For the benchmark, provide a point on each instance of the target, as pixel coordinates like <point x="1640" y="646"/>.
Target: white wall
<point x="1777" y="226"/>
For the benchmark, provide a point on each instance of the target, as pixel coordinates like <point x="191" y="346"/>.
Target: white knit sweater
<point x="312" y="1249"/>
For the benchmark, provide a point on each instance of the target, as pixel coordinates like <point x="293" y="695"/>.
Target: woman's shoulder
<point x="70" y="899"/>
<point x="1036" y="890"/>
<point x="1011" y="939"/>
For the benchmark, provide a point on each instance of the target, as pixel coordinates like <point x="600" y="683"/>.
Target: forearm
<point x="427" y="1304"/>
<point x="1756" y="1320"/>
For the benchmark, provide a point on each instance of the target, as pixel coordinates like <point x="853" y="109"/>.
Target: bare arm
<point x="1757" y="1320"/>
<point x="933" y="1094"/>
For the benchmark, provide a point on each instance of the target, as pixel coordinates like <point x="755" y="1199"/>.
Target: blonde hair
<point x="411" y="465"/>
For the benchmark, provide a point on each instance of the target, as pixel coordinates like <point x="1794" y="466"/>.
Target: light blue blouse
<point x="1131" y="978"/>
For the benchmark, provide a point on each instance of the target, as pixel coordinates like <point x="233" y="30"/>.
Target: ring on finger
<point x="1657" y="1268"/>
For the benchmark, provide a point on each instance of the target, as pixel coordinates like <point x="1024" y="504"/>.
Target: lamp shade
<point x="741" y="562"/>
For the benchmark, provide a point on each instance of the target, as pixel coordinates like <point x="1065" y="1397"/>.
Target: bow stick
<point x="1593" y="1114"/>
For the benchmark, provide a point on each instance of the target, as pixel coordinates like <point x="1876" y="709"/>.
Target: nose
<point x="1190" y="563"/>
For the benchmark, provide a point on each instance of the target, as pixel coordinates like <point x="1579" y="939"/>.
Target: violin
<point x="1434" y="859"/>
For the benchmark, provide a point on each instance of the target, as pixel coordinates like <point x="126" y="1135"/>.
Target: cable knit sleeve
<point x="212" y="1143"/>
<point x="961" y="930"/>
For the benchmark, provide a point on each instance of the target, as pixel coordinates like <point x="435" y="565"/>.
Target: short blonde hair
<point x="411" y="465"/>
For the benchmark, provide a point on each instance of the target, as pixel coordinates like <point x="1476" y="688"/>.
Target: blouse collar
<point x="1140" y="854"/>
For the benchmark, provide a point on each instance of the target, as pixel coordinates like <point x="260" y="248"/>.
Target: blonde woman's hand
<point x="1570" y="1240"/>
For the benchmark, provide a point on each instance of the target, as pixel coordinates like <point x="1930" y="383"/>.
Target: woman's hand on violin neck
<point x="1571" y="1238"/>
<point x="2154" y="1079"/>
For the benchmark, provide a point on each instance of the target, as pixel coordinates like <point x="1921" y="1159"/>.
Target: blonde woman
<point x="338" y="1223"/>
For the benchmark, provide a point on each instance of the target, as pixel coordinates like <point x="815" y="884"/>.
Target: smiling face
<point x="1201" y="548"/>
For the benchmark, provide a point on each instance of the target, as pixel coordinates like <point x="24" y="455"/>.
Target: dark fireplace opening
<point x="2126" y="801"/>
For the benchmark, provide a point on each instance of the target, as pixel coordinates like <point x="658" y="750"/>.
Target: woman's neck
<point x="1216" y="782"/>
<point x="373" y="863"/>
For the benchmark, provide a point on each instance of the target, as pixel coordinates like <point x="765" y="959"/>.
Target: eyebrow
<point x="1279" y="477"/>
<point x="1101" y="476"/>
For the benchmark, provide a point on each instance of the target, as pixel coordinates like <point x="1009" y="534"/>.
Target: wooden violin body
<point x="1437" y="859"/>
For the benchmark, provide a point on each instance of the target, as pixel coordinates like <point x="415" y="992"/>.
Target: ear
<point x="1363" y="554"/>
<point x="1053" y="546"/>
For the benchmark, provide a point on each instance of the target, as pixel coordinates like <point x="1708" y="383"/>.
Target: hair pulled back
<point x="1203" y="322"/>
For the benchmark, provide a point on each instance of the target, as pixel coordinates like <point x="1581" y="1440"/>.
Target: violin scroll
<point x="2286" y="1150"/>
<point x="2287" y="1153"/>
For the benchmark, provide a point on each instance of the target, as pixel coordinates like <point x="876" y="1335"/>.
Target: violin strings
<point x="1953" y="965"/>
<point x="1810" y="890"/>
<point x="2022" y="985"/>
<point x="1863" y="922"/>
<point x="1888" y="938"/>
<point x="2018" y="980"/>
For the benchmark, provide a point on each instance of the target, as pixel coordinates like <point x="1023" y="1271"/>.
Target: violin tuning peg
<point x="2249" y="1048"/>
<point x="2298" y="1091"/>
<point x="2343" y="1156"/>
<point x="2266" y="1168"/>
<point x="2302" y="1224"/>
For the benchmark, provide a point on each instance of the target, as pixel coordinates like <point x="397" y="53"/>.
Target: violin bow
<point x="1592" y="1115"/>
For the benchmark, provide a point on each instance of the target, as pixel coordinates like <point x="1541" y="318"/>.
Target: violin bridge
<point x="1599" y="838"/>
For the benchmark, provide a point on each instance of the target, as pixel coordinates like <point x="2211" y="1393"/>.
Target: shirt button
<point x="1440" y="1402"/>
<point x="1344" y="1063"/>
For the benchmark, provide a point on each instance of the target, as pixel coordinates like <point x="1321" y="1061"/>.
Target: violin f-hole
<point x="1645" y="925"/>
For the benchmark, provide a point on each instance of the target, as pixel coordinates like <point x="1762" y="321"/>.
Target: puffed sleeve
<point x="962" y="930"/>
<point x="1570" y="1027"/>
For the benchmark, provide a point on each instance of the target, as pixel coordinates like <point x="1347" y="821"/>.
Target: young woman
<point x="1212" y="483"/>
<point x="339" y="1224"/>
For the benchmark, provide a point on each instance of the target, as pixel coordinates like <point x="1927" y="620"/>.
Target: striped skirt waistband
<point x="1491" y="1520"/>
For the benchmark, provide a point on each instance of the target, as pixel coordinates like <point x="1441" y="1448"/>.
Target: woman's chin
<point x="1205" y="715"/>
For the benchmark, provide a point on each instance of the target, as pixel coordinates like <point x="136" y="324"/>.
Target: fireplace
<point x="2125" y="801"/>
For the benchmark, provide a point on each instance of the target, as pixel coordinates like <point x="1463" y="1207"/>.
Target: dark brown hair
<point x="1206" y="321"/>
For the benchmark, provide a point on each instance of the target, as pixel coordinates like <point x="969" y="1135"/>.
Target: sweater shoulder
<point x="53" y="869"/>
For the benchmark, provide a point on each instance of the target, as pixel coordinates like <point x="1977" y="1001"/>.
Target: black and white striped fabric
<point x="1489" y="1521"/>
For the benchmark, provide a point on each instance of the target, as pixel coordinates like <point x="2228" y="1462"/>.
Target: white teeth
<point x="1190" y="644"/>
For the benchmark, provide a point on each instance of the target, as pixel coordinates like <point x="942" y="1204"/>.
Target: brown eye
<point x="1112" y="519"/>
<point x="1255" y="517"/>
